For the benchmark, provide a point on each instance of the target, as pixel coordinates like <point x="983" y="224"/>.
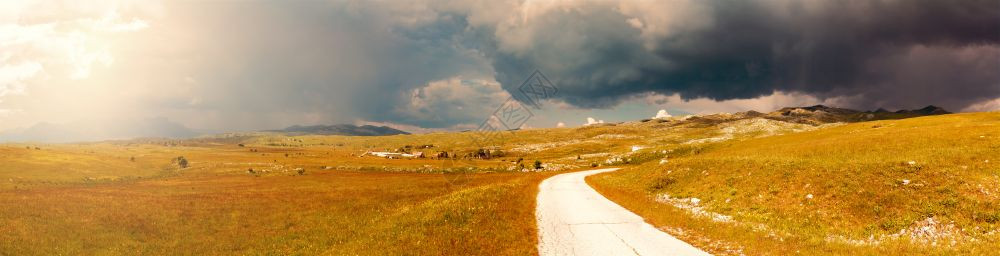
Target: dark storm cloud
<point x="252" y="65"/>
<point x="893" y="54"/>
<point x="337" y="62"/>
<point x="377" y="61"/>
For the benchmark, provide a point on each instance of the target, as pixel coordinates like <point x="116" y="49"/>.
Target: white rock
<point x="912" y="162"/>
<point x="906" y="182"/>
<point x="695" y="200"/>
<point x="809" y="196"/>
<point x="663" y="161"/>
<point x="636" y="148"/>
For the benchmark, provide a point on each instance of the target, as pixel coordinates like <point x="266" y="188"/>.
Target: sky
<point x="429" y="65"/>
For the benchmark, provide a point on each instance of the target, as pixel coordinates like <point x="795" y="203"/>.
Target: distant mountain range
<point x="825" y="114"/>
<point x="820" y="114"/>
<point x="98" y="130"/>
<point x="83" y="131"/>
<point x="340" y="129"/>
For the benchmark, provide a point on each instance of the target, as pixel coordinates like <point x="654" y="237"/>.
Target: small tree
<point x="181" y="162"/>
<point x="538" y="164"/>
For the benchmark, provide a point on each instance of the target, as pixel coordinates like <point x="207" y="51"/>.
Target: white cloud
<point x="985" y="106"/>
<point x="468" y="100"/>
<point x="560" y="125"/>
<point x="662" y="114"/>
<point x="9" y="112"/>
<point x="112" y="22"/>
<point x="67" y="44"/>
<point x="48" y="50"/>
<point x="12" y="75"/>
<point x="765" y="104"/>
<point x="592" y="121"/>
<point x="661" y="19"/>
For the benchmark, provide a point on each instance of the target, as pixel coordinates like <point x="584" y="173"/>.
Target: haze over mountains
<point x="83" y="131"/>
<point x="341" y="129"/>
<point x="97" y="130"/>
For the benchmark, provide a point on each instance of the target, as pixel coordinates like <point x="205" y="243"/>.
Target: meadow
<point x="928" y="185"/>
<point x="731" y="186"/>
<point x="128" y="198"/>
<point x="266" y="193"/>
<point x="349" y="212"/>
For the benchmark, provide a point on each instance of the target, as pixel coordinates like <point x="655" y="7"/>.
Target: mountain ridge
<point x="341" y="129"/>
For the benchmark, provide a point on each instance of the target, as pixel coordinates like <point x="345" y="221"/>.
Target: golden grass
<point x="855" y="174"/>
<point x="331" y="212"/>
<point x="126" y="198"/>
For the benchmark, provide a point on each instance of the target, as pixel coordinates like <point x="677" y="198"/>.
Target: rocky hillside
<point x="822" y="114"/>
<point x="813" y="115"/>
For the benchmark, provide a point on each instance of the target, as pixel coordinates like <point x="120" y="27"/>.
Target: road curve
<point x="573" y="219"/>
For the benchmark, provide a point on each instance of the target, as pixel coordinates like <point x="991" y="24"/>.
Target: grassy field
<point x="131" y="197"/>
<point x="928" y="185"/>
<point x="364" y="213"/>
<point x="925" y="185"/>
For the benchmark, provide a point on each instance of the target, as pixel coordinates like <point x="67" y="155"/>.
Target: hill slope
<point x="924" y="185"/>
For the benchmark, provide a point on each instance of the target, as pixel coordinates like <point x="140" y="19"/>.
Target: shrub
<point x="181" y="162"/>
<point x="538" y="164"/>
<point x="993" y="217"/>
<point x="661" y="183"/>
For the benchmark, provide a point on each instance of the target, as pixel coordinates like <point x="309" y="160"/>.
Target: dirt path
<point x="573" y="219"/>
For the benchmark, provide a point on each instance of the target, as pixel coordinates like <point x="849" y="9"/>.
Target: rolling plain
<point x="803" y="181"/>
